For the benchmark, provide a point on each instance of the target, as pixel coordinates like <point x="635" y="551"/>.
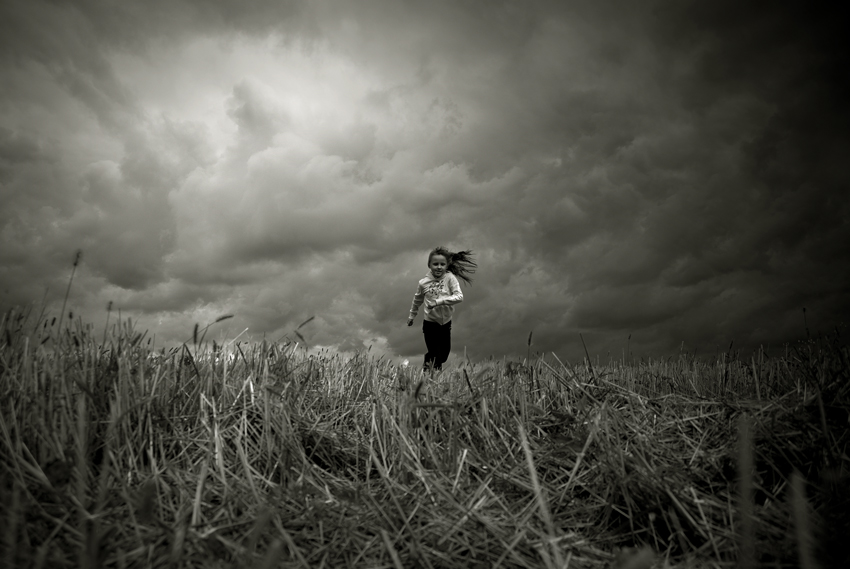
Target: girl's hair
<point x="460" y="263"/>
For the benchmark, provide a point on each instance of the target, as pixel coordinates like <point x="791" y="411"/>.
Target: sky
<point x="648" y="176"/>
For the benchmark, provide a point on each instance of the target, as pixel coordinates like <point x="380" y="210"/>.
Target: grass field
<point x="266" y="455"/>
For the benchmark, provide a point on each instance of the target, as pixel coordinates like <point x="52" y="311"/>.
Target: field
<point x="114" y="454"/>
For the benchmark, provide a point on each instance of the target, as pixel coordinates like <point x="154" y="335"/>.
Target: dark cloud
<point x="669" y="171"/>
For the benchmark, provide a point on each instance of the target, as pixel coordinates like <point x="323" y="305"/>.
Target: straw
<point x="115" y="453"/>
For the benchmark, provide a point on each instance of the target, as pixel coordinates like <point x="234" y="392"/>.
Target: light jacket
<point x="446" y="291"/>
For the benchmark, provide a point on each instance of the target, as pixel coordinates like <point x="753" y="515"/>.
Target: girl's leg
<point x="431" y="332"/>
<point x="444" y="345"/>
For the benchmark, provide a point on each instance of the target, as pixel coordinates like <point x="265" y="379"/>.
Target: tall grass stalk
<point x="77" y="257"/>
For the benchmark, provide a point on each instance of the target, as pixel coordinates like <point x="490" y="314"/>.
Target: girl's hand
<point x="430" y="303"/>
<point x="410" y="321"/>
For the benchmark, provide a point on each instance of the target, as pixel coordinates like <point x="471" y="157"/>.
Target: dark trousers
<point x="438" y="341"/>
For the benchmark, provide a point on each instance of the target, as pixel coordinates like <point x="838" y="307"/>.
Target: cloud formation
<point x="670" y="171"/>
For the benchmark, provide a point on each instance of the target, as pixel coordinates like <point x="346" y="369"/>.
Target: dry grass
<point x="261" y="455"/>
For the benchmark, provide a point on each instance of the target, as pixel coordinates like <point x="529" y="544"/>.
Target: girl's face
<point x="438" y="265"/>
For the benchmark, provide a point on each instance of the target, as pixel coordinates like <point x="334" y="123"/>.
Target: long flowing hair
<point x="460" y="263"/>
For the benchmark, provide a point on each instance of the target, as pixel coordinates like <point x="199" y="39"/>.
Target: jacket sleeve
<point x="418" y="298"/>
<point x="455" y="294"/>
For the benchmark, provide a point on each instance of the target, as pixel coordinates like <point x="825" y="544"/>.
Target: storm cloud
<point x="664" y="173"/>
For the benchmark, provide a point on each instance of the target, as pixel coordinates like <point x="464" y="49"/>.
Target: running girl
<point x="440" y="291"/>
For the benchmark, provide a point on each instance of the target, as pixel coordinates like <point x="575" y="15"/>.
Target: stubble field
<point x="114" y="454"/>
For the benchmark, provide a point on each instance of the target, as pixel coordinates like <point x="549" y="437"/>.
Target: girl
<point x="440" y="291"/>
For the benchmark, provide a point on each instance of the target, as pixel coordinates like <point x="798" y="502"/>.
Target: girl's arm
<point x="455" y="294"/>
<point x="418" y="298"/>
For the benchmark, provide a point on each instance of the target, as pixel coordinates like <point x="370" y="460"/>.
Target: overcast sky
<point x="672" y="171"/>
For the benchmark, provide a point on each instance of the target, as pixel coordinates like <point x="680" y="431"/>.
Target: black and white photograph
<point x="405" y="283"/>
